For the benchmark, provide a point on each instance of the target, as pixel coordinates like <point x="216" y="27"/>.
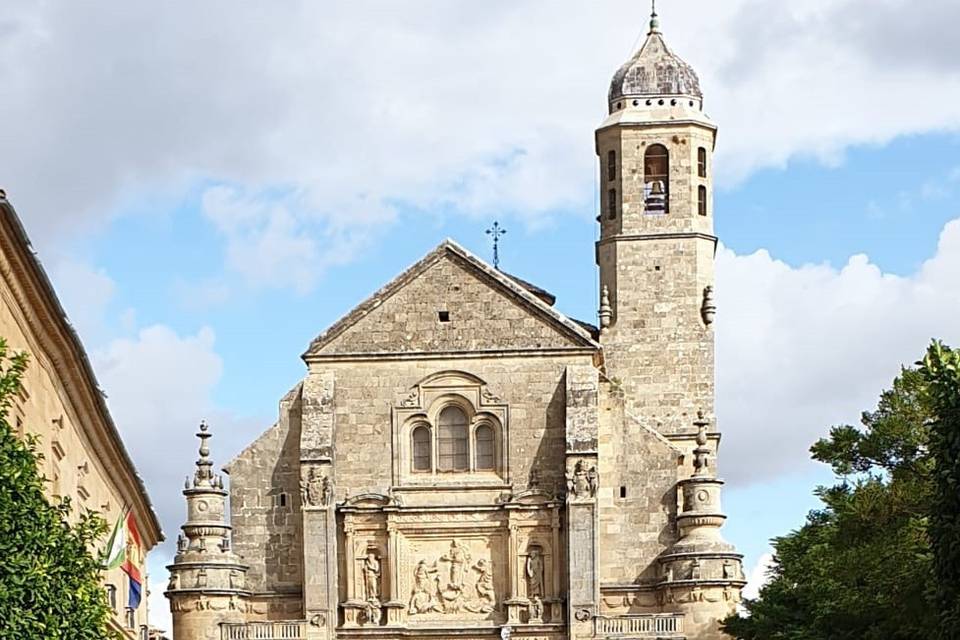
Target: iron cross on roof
<point x="495" y="232"/>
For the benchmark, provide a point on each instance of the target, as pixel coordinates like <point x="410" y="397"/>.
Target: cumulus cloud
<point x="345" y="111"/>
<point x="758" y="577"/>
<point x="800" y="349"/>
<point x="160" y="385"/>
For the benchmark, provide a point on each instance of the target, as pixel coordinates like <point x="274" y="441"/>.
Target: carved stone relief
<point x="583" y="483"/>
<point x="315" y="489"/>
<point x="453" y="583"/>
<point x="371" y="576"/>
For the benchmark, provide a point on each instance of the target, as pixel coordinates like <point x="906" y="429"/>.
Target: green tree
<point x="941" y="371"/>
<point x="861" y="568"/>
<point x="49" y="580"/>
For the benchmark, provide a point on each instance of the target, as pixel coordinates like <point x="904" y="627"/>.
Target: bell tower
<point x="656" y="246"/>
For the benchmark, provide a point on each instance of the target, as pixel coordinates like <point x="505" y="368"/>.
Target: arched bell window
<point x="656" y="179"/>
<point x="422" y="449"/>
<point x="486" y="448"/>
<point x="702" y="162"/>
<point x="453" y="440"/>
<point x="611" y="165"/>
<point x="702" y="200"/>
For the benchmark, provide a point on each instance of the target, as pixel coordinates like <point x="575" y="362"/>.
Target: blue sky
<point x="206" y="207"/>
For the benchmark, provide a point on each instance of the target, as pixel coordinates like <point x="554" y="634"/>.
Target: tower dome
<point x="654" y="71"/>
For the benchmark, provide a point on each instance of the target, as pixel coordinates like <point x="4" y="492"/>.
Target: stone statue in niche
<point x="371" y="576"/>
<point x="534" y="573"/>
<point x="458" y="557"/>
<point x="315" y="489"/>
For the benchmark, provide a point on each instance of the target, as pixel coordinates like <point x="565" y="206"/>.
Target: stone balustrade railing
<point x="285" y="630"/>
<point x="639" y="625"/>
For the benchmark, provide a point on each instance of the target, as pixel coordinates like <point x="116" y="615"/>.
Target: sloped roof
<point x="508" y="285"/>
<point x="48" y="296"/>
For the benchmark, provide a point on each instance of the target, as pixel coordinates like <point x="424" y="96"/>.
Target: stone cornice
<point x="62" y="350"/>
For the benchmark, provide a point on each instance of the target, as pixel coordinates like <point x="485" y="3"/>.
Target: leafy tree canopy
<point x="49" y="581"/>
<point x="861" y="568"/>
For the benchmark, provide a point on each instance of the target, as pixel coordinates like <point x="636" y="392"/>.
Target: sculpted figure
<point x="371" y="576"/>
<point x="534" y="571"/>
<point x="485" y="590"/>
<point x="593" y="479"/>
<point x="458" y="557"/>
<point x="325" y="491"/>
<point x="174" y="582"/>
<point x="581" y="484"/>
<point x="314" y="489"/>
<point x="422" y="600"/>
<point x="372" y="612"/>
<point x="536" y="610"/>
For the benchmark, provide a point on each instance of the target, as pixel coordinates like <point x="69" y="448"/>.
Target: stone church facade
<point x="463" y="461"/>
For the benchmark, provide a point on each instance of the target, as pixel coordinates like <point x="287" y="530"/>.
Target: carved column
<point x="583" y="481"/>
<point x="318" y="506"/>
<point x="513" y="603"/>
<point x="396" y="609"/>
<point x="556" y="606"/>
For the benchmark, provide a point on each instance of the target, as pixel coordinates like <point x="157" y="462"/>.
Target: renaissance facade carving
<point x="462" y="460"/>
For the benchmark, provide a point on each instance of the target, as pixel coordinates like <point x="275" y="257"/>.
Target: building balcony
<point x="640" y="626"/>
<point x="280" y="630"/>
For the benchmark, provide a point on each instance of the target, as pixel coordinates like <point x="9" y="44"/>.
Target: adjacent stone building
<point x="60" y="402"/>
<point x="463" y="461"/>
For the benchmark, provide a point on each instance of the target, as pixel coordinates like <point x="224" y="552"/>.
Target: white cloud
<point x="85" y="292"/>
<point x="344" y="110"/>
<point x="758" y="576"/>
<point x="802" y="349"/>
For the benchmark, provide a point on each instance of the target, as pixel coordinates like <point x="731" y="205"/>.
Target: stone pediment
<point x="450" y="302"/>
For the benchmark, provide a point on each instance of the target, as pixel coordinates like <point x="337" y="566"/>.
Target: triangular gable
<point x="489" y="311"/>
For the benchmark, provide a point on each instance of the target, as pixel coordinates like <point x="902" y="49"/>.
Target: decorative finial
<point x="495" y="232"/>
<point x="606" y="313"/>
<point x="708" y="309"/>
<point x="701" y="461"/>
<point x="204" y="473"/>
<point x="654" y="19"/>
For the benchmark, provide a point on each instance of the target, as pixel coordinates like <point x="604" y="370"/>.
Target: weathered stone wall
<point x="367" y="392"/>
<point x="637" y="524"/>
<point x="265" y="504"/>
<point x="480" y="317"/>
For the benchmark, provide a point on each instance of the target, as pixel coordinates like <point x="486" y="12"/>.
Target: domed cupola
<point x="655" y="74"/>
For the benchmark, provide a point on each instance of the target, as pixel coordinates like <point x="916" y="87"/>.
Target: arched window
<point x="421" y="449"/>
<point x="656" y="179"/>
<point x="486" y="448"/>
<point x="702" y="162"/>
<point x="453" y="443"/>
<point x="611" y="165"/>
<point x="702" y="200"/>
<point x="612" y="204"/>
